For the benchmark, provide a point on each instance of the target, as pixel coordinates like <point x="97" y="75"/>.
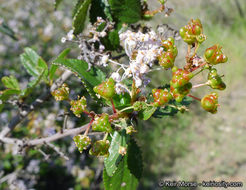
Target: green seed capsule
<point x="102" y="124"/>
<point x="161" y="97"/>
<point x="214" y="55"/>
<point x="82" y="142"/>
<point x="61" y="93"/>
<point x="106" y="89"/>
<point x="78" y="106"/>
<point x="210" y="102"/>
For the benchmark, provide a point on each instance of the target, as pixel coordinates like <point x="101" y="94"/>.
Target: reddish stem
<point x="113" y="117"/>
<point x="112" y="102"/>
<point x="196" y="98"/>
<point x="199" y="85"/>
<point x="87" y="113"/>
<point x="88" y="127"/>
<point x="201" y="65"/>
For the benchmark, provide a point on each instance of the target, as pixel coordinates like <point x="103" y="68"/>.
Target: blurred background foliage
<point x="193" y="146"/>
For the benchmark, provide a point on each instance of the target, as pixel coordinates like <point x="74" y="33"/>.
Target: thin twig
<point x="46" y="156"/>
<point x="200" y="85"/>
<point x="37" y="103"/>
<point x="57" y="150"/>
<point x="113" y="106"/>
<point x="195" y="98"/>
<point x="64" y="126"/>
<point x="43" y="140"/>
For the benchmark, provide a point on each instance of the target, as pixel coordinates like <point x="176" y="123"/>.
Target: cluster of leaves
<point x="35" y="66"/>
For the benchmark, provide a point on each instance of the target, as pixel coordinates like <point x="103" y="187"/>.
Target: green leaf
<point x="122" y="100"/>
<point x="54" y="67"/>
<point x="146" y="113"/>
<point x="111" y="41"/>
<point x="11" y="82"/>
<point x="6" y="94"/>
<point x="77" y="6"/>
<point x="100" y="75"/>
<point x="134" y="159"/>
<point x="80" y="68"/>
<point x="80" y="16"/>
<point x="122" y="179"/>
<point x="114" y="38"/>
<point x="171" y="110"/>
<point x="126" y="11"/>
<point x="97" y="10"/>
<point x="1" y="106"/>
<point x="57" y="3"/>
<point x="7" y="31"/>
<point x="33" y="63"/>
<point x="31" y="85"/>
<point x="111" y="163"/>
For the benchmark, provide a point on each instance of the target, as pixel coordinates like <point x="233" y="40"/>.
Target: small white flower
<point x="100" y="19"/>
<point x="101" y="47"/>
<point x="63" y="40"/>
<point x="116" y="76"/>
<point x="138" y="82"/>
<point x="70" y="35"/>
<point x="128" y="72"/>
<point x="102" y="34"/>
<point x="144" y="69"/>
<point x="104" y="60"/>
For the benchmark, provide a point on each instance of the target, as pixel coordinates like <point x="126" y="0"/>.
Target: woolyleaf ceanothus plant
<point x="117" y="58"/>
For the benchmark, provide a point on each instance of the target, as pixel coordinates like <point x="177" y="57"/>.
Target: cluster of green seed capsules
<point x="180" y="84"/>
<point x="99" y="123"/>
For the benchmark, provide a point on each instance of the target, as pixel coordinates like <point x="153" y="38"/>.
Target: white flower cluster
<point x="89" y="41"/>
<point x="142" y="50"/>
<point x="97" y="32"/>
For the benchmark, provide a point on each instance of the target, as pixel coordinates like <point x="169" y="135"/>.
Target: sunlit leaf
<point x="146" y="113"/>
<point x="111" y="163"/>
<point x="10" y="82"/>
<point x="80" y="16"/>
<point x="33" y="63"/>
<point x="54" y="67"/>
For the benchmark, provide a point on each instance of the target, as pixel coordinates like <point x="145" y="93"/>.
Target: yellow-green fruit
<point x="210" y="102"/>
<point x="61" y="93"/>
<point x="106" y="89"/>
<point x="82" y="142"/>
<point x="78" y="106"/>
<point x="102" y="123"/>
